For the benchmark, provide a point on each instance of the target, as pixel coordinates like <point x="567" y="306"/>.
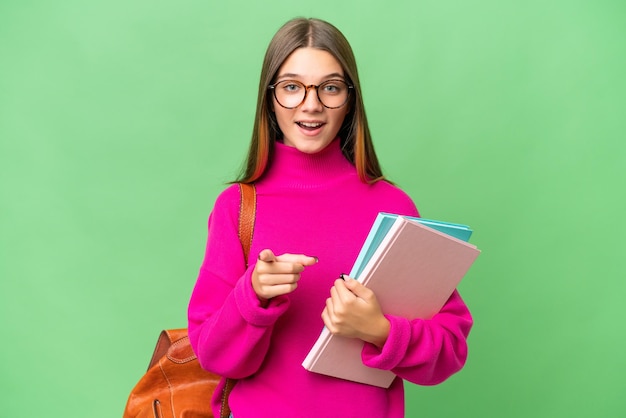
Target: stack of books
<point x="413" y="266"/>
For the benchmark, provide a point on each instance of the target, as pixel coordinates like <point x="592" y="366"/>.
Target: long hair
<point x="356" y="142"/>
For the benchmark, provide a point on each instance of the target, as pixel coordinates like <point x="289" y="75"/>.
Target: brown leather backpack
<point x="175" y="386"/>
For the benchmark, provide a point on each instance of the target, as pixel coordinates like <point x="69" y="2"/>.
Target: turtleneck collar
<point x="290" y="167"/>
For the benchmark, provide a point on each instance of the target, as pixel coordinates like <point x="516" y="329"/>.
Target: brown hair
<point x="356" y="142"/>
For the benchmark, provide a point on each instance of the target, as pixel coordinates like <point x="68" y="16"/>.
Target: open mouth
<point x="309" y="125"/>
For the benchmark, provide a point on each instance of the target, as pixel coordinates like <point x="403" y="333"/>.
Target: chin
<point x="311" y="148"/>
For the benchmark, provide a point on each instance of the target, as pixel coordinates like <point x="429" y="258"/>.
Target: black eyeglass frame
<point x="306" y="92"/>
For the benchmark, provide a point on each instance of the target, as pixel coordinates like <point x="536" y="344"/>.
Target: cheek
<point x="341" y="118"/>
<point x="282" y="117"/>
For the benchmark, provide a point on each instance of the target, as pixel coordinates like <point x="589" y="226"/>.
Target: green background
<point x="121" y="120"/>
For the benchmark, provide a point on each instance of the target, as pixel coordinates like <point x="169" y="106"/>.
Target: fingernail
<point x="341" y="277"/>
<point x="317" y="260"/>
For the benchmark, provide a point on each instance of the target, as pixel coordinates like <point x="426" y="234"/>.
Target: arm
<point x="229" y="329"/>
<point x="424" y="352"/>
<point x="233" y="310"/>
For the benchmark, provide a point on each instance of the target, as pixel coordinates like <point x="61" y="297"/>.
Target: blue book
<point x="383" y="223"/>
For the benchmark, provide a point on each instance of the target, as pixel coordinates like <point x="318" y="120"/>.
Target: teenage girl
<point x="319" y="188"/>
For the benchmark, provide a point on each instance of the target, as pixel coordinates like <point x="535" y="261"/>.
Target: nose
<point x="311" y="100"/>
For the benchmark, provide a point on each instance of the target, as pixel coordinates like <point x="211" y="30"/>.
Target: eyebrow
<point x="293" y="75"/>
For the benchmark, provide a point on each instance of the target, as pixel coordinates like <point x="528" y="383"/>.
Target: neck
<point x="295" y="169"/>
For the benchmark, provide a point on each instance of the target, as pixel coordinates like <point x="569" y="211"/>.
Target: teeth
<point x="310" y="125"/>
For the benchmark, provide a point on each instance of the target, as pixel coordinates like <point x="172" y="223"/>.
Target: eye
<point x="333" y="87"/>
<point x="290" y="86"/>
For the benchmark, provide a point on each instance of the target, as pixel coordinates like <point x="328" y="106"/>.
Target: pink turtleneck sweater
<point x="313" y="205"/>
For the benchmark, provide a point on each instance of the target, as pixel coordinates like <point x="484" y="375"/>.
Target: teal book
<point x="381" y="226"/>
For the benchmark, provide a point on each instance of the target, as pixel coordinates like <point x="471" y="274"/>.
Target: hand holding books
<point x="353" y="311"/>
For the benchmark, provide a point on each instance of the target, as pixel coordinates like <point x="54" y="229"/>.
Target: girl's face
<point x="311" y="126"/>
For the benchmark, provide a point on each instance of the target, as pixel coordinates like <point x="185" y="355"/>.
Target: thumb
<point x="267" y="256"/>
<point x="354" y="286"/>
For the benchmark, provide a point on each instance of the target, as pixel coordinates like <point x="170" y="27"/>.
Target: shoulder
<point x="395" y="197"/>
<point x="231" y="196"/>
<point x="227" y="204"/>
<point x="394" y="191"/>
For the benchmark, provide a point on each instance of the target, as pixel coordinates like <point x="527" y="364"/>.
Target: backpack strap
<point x="247" y="214"/>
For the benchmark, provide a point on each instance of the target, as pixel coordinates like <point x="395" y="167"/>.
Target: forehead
<point x="310" y="63"/>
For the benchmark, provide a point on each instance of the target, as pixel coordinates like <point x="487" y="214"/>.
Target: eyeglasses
<point x="332" y="94"/>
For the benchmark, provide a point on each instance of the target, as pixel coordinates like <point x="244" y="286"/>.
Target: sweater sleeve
<point x="229" y="330"/>
<point x="425" y="352"/>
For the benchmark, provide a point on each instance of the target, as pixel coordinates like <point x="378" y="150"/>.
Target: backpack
<point x="175" y="385"/>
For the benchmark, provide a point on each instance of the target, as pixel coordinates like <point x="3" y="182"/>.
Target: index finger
<point x="303" y="260"/>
